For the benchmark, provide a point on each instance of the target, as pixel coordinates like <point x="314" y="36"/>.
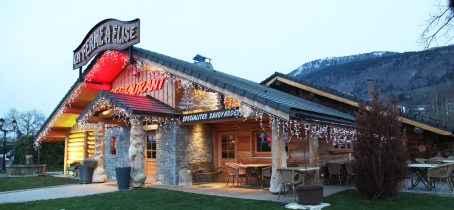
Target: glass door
<point x="150" y="155"/>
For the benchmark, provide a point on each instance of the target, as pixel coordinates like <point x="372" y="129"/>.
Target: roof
<point x="258" y="92"/>
<point x="142" y="105"/>
<point x="354" y="99"/>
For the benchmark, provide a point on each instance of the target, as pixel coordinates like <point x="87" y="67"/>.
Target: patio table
<point x="421" y="172"/>
<point x="250" y="166"/>
<point x="303" y="169"/>
<point x="447" y="161"/>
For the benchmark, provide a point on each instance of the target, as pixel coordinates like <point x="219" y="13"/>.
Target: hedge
<point x="51" y="153"/>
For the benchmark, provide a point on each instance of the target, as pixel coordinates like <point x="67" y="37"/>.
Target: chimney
<point x="201" y="60"/>
<point x="370" y="89"/>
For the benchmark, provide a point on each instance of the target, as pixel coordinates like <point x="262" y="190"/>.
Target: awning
<point x="140" y="105"/>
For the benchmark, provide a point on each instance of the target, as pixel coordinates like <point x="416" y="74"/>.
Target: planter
<point x="310" y="194"/>
<point x="123" y="177"/>
<point x="85" y="175"/>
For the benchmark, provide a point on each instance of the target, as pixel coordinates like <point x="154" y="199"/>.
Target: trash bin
<point x="310" y="194"/>
<point x="123" y="177"/>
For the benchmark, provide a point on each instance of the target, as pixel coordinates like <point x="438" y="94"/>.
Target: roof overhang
<point x="345" y="99"/>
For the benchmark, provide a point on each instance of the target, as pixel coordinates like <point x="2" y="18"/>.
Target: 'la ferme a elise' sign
<point x="107" y="34"/>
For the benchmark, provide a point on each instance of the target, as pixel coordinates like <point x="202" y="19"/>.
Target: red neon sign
<point x="141" y="87"/>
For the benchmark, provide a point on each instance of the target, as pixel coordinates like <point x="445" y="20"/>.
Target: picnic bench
<point x="205" y="168"/>
<point x="73" y="167"/>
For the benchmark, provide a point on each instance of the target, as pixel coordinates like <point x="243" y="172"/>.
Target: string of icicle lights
<point x="196" y="98"/>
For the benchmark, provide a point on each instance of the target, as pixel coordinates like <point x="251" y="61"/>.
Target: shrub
<point x="89" y="163"/>
<point x="380" y="151"/>
<point x="51" y="153"/>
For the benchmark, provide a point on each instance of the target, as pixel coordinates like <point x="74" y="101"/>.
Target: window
<point x="228" y="146"/>
<point x="151" y="146"/>
<point x="262" y="141"/>
<point x="340" y="145"/>
<point x="113" y="145"/>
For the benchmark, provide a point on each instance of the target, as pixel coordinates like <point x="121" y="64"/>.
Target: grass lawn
<point x="351" y="199"/>
<point x="146" y="198"/>
<point x="22" y="183"/>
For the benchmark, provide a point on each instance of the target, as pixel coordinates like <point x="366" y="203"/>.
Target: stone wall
<point x="175" y="149"/>
<point x="121" y="158"/>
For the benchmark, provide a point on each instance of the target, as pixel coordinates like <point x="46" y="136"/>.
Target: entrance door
<point x="227" y="150"/>
<point x="150" y="155"/>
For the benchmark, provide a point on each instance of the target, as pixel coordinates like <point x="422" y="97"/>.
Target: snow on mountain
<point x="323" y="63"/>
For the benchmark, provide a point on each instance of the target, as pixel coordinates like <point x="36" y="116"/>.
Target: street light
<point x="4" y="141"/>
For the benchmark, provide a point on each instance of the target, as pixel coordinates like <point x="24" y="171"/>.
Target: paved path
<point x="66" y="191"/>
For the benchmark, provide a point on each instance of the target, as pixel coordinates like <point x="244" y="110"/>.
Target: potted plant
<point x="86" y="170"/>
<point x="113" y="152"/>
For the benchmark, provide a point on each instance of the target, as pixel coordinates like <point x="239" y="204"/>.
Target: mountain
<point x="402" y="73"/>
<point x="315" y="65"/>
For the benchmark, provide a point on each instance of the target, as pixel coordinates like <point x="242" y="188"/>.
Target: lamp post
<point x="4" y="141"/>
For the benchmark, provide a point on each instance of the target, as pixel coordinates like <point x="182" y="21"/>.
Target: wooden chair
<point x="335" y="169"/>
<point x="440" y="172"/>
<point x="349" y="168"/>
<point x="290" y="178"/>
<point x="266" y="173"/>
<point x="235" y="171"/>
<point x="205" y="168"/>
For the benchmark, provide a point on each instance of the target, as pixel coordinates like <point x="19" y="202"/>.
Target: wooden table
<point x="421" y="172"/>
<point x="249" y="167"/>
<point x="303" y="169"/>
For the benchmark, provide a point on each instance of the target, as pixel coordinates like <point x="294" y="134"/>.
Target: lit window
<point x="262" y="141"/>
<point x="113" y="145"/>
<point x="228" y="146"/>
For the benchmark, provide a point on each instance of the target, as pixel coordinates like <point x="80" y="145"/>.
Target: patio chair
<point x="311" y="176"/>
<point x="440" y="172"/>
<point x="420" y="160"/>
<point x="349" y="168"/>
<point x="290" y="178"/>
<point x="235" y="171"/>
<point x="266" y="173"/>
<point x="335" y="169"/>
<point x="433" y="160"/>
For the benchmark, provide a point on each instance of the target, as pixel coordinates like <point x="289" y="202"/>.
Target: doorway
<point x="150" y="155"/>
<point x="227" y="150"/>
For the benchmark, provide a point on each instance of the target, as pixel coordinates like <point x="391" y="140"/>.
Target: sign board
<point x="211" y="115"/>
<point x="107" y="34"/>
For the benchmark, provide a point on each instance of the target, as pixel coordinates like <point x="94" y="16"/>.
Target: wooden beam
<point x="72" y="110"/>
<point x="94" y="119"/>
<point x="57" y="133"/>
<point x="65" y="159"/>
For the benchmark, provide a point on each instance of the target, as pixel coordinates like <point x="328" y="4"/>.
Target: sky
<point x="248" y="39"/>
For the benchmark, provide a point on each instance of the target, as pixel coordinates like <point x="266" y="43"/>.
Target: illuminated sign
<point x="107" y="34"/>
<point x="211" y="115"/>
<point x="141" y="87"/>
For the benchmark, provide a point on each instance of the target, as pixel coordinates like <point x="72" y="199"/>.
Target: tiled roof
<point x="352" y="98"/>
<point x="142" y="105"/>
<point x="261" y="93"/>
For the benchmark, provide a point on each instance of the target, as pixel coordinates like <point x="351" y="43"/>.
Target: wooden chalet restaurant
<point x="157" y="114"/>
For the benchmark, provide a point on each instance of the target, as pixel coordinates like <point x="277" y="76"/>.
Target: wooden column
<point x="313" y="149"/>
<point x="65" y="159"/>
<point x="85" y="144"/>
<point x="278" y="155"/>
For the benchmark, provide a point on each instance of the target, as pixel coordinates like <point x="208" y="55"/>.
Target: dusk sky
<point x="248" y="39"/>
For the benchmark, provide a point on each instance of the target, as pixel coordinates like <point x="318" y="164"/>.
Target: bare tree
<point x="442" y="106"/>
<point x="439" y="24"/>
<point x="28" y="123"/>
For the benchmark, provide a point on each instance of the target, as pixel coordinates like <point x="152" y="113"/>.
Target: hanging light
<point x="245" y="110"/>
<point x="185" y="84"/>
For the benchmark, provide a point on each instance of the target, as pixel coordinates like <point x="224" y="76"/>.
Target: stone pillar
<point x="136" y="149"/>
<point x="99" y="174"/>
<point x="278" y="153"/>
<point x="166" y="168"/>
